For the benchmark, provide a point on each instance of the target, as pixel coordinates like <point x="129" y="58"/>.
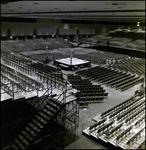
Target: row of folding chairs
<point x="132" y="83"/>
<point x="91" y="88"/>
<point x="140" y="111"/>
<point x="18" y="75"/>
<point x="18" y="58"/>
<point x="90" y="99"/>
<point x="126" y="109"/>
<point x="133" y="113"/>
<point x="142" y="145"/>
<point x="115" y="82"/>
<point x="20" y="88"/>
<point x="132" y="118"/>
<point x="97" y="125"/>
<point x="119" y="80"/>
<point x="22" y="67"/>
<point x="87" y="91"/>
<point x="124" y="134"/>
<point x="129" y="102"/>
<point x="134" y="69"/>
<point x="105" y="127"/>
<point x="134" y="138"/>
<point x="52" y="78"/>
<point x="21" y="78"/>
<point x="114" y="131"/>
<point x="41" y="69"/>
<point x="139" y="122"/>
<point x="46" y="67"/>
<point x="22" y="85"/>
<point x="91" y="94"/>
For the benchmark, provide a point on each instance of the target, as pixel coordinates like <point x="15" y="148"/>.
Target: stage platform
<point x="29" y="95"/>
<point x="68" y="64"/>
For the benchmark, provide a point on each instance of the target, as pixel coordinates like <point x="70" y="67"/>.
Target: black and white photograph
<point x="72" y="74"/>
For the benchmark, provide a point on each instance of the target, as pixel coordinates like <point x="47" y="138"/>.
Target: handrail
<point x="53" y="79"/>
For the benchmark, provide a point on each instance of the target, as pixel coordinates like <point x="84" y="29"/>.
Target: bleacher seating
<point x="122" y="125"/>
<point x="39" y="43"/>
<point x="122" y="38"/>
<point x="135" y="138"/>
<point x="18" y="45"/>
<point x="4" y="49"/>
<point x="59" y="42"/>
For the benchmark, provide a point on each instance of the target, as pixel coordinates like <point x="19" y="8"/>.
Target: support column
<point x="34" y="34"/>
<point x="25" y="38"/>
<point x="77" y="36"/>
<point x="57" y="33"/>
<point x="9" y="34"/>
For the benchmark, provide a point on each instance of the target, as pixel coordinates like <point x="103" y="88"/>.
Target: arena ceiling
<point x="131" y="11"/>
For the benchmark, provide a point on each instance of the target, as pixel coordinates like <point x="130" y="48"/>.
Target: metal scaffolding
<point x="19" y="81"/>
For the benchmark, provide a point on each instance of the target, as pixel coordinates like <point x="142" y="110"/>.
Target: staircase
<point x="36" y="126"/>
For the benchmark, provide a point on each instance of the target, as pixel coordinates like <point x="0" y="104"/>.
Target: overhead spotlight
<point x="138" y="24"/>
<point x="11" y="37"/>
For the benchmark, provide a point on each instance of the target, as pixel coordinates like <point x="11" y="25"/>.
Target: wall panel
<point x="86" y="31"/>
<point x="68" y="28"/>
<point x="22" y="31"/>
<point x="67" y="31"/>
<point x="4" y="32"/>
<point x="45" y="31"/>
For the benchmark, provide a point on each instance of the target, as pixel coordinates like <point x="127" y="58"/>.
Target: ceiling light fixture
<point x="138" y="24"/>
<point x="115" y="3"/>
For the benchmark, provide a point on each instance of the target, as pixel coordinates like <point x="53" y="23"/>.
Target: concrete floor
<point x="86" y="117"/>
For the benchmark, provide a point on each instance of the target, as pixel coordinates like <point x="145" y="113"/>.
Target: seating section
<point x="47" y="69"/>
<point x="20" y="81"/>
<point x="113" y="78"/>
<point x="42" y="56"/>
<point x="87" y="91"/>
<point x="59" y="42"/>
<point x="100" y="57"/>
<point x="134" y="66"/>
<point x="39" y="43"/>
<point x="138" y="136"/>
<point x="18" y="45"/>
<point x="123" y="125"/>
<point x="4" y="49"/>
<point x="27" y="76"/>
<point x="123" y="38"/>
<point x="138" y="44"/>
<point x="35" y="44"/>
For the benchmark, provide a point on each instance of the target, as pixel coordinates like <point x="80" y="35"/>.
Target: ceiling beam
<point x="92" y="11"/>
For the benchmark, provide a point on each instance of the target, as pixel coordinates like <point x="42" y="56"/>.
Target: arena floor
<point x="87" y="115"/>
